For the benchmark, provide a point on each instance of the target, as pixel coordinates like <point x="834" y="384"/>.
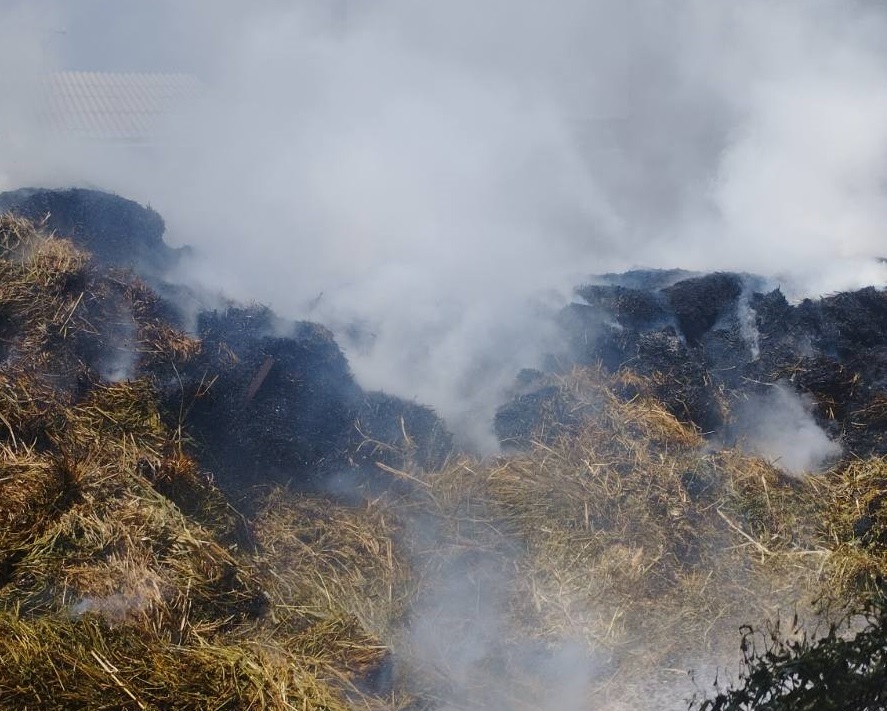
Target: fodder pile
<point x="127" y="580"/>
<point x="627" y="535"/>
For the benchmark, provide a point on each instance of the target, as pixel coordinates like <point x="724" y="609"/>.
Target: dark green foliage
<point x="845" y="670"/>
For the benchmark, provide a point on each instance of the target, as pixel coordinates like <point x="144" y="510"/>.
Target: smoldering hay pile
<point x="203" y="509"/>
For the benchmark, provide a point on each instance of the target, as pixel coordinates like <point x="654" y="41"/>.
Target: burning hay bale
<point x="283" y="406"/>
<point x="631" y="510"/>
<point x="703" y="344"/>
<point x="118" y="232"/>
<point x="82" y="322"/>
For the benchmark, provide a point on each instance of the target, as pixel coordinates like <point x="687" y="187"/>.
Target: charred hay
<point x="116" y="231"/>
<point x="282" y="406"/>
<point x="702" y="344"/>
<point x="265" y="400"/>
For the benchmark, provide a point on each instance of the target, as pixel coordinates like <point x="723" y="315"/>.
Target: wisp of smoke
<point x="778" y="425"/>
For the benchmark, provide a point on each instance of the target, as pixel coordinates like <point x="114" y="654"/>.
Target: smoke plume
<point x="431" y="178"/>
<point x="778" y="425"/>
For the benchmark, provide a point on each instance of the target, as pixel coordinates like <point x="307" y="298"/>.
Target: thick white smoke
<point x="432" y="178"/>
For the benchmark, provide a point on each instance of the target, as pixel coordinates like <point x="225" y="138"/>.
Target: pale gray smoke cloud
<point x="779" y="426"/>
<point x="26" y="53"/>
<point x="432" y="178"/>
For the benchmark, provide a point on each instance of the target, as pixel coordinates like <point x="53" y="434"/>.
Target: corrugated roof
<point x="124" y="107"/>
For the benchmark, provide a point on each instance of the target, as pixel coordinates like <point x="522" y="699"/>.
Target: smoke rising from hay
<point x="430" y="180"/>
<point x="778" y="425"/>
<point x="461" y="634"/>
<point x="417" y="175"/>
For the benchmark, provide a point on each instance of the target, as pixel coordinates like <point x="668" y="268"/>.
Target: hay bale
<point x="626" y="534"/>
<point x="124" y="582"/>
